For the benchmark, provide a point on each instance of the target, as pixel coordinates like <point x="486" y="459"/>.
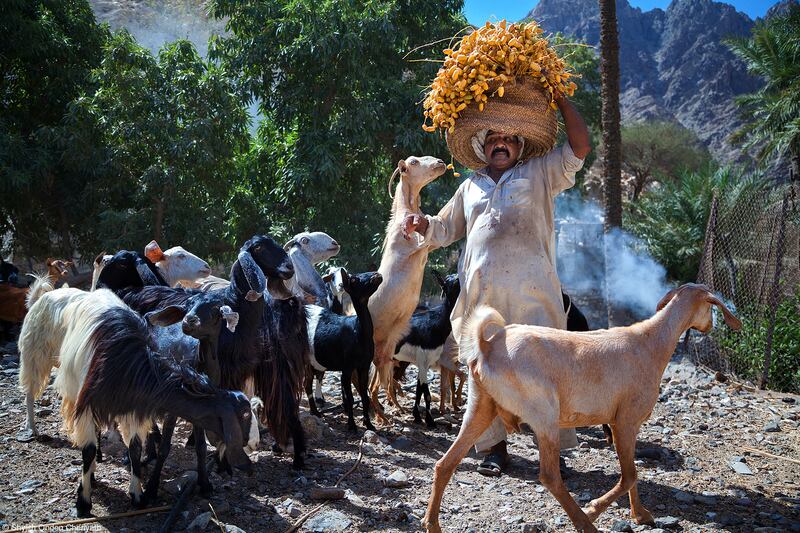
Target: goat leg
<point x="152" y="442"/>
<point x="625" y="438"/>
<point x="363" y="374"/>
<point x="550" y="476"/>
<point x="443" y="388"/>
<point x="83" y="505"/>
<point x="374" y="387"/>
<point x="479" y="416"/>
<point x="298" y="440"/>
<point x="206" y="489"/>
<point x="318" y="397"/>
<point x="426" y="391"/>
<point x="347" y="399"/>
<point x="309" y="385"/>
<point x="99" y="452"/>
<point x="135" y="487"/>
<point x="417" y="396"/>
<point x="151" y="490"/>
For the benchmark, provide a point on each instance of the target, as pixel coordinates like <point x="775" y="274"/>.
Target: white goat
<point x="402" y="267"/>
<point x="551" y="379"/>
<point x="176" y="265"/>
<point x="305" y="250"/>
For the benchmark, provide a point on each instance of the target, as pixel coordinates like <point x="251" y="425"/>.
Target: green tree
<point x="340" y="102"/>
<point x="47" y="51"/>
<point x="671" y="220"/>
<point x="173" y="126"/>
<point x="772" y="114"/>
<point x="653" y="151"/>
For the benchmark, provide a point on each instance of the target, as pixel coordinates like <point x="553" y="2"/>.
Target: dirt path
<point x="697" y="429"/>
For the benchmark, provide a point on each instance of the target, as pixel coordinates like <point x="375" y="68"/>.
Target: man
<point x="505" y="212"/>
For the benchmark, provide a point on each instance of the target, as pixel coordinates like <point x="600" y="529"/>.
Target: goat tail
<point x="478" y="333"/>
<point x="41" y="285"/>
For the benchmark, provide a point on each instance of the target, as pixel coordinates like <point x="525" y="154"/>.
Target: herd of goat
<point x="159" y="338"/>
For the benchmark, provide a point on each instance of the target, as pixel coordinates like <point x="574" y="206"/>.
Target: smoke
<point x="593" y="264"/>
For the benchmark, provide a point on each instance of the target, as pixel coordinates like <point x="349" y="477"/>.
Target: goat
<point x="8" y="272"/>
<point x="402" y="268"/>
<point x="424" y="343"/>
<point x="551" y="379"/>
<point x="175" y="265"/>
<point x="345" y="343"/>
<point x="305" y="250"/>
<point x="110" y="373"/>
<point x="14" y="301"/>
<point x="267" y="353"/>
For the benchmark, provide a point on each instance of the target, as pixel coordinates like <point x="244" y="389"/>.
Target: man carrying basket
<point x="505" y="212"/>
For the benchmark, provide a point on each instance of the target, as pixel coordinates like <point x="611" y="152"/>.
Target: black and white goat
<point x="267" y="353"/>
<point x="424" y="343"/>
<point x="345" y="344"/>
<point x="110" y="373"/>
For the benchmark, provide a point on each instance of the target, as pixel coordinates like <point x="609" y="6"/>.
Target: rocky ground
<point x="695" y="471"/>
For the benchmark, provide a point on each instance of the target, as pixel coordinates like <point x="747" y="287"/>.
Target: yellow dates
<point x="487" y="61"/>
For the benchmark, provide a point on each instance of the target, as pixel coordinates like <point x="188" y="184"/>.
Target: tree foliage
<point x="340" y="103"/>
<point x="654" y="151"/>
<point x="671" y="220"/>
<point x="772" y="114"/>
<point x="173" y="126"/>
<point x="47" y="51"/>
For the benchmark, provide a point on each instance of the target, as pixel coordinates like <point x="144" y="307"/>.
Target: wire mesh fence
<point x="752" y="258"/>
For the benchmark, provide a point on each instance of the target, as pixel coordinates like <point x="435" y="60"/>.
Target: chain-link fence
<point x="752" y="258"/>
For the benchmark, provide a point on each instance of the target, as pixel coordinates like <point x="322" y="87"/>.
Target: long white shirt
<point x="509" y="259"/>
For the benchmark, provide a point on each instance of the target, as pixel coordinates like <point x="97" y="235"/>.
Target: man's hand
<point x="413" y="222"/>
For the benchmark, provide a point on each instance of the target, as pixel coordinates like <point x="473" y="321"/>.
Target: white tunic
<point x="509" y="259"/>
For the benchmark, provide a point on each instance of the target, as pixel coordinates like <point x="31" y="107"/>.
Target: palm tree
<point x="609" y="94"/>
<point x="772" y="113"/>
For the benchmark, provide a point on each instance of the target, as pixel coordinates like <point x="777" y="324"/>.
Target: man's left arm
<point x="577" y="132"/>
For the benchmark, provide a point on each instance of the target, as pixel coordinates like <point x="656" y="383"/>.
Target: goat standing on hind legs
<point x="402" y="269"/>
<point x="587" y="378"/>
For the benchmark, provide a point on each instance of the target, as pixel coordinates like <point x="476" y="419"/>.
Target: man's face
<point x="501" y="150"/>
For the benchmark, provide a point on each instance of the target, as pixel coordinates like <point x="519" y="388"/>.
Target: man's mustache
<point x="500" y="149"/>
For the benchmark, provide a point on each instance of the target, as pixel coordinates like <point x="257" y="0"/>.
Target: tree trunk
<point x="609" y="93"/>
<point x="158" y="222"/>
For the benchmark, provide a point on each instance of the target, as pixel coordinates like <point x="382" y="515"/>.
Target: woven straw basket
<point x="523" y="110"/>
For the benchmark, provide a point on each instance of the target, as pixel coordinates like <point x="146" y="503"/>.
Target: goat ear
<point x="734" y="323"/>
<point x="402" y="166"/>
<point x="327" y="278"/>
<point x="255" y="277"/>
<point x="665" y="300"/>
<point x="146" y="275"/>
<point x="49" y="261"/>
<point x="231" y="317"/>
<point x="153" y="252"/>
<point x="166" y="317"/>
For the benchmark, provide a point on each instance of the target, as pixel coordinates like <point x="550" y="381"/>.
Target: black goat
<point x="345" y="343"/>
<point x="425" y="340"/>
<point x="259" y="352"/>
<point x="8" y="272"/>
<point x="129" y="383"/>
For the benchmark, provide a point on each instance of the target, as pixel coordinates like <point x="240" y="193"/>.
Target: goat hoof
<point x="430" y="423"/>
<point x="83" y="509"/>
<point x="431" y="526"/>
<point x="277" y="449"/>
<point x="320" y="401"/>
<point x="298" y="463"/>
<point x="369" y="426"/>
<point x="591" y="512"/>
<point x="644" y="518"/>
<point x="137" y="501"/>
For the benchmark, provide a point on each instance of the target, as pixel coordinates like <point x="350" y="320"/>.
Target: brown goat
<point x="551" y="379"/>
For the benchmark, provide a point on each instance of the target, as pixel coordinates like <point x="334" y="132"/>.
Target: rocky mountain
<point x="673" y="63"/>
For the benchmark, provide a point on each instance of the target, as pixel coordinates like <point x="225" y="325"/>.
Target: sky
<point x="479" y="11"/>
